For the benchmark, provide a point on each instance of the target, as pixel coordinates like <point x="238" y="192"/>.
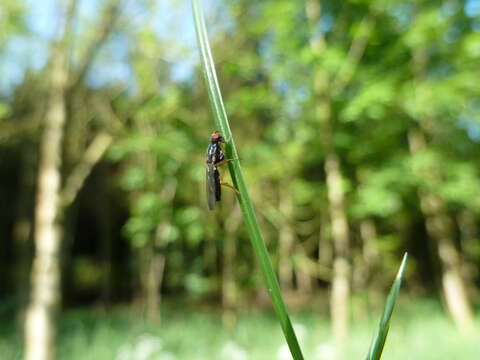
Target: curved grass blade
<point x="375" y="351"/>
<point x="251" y="222"/>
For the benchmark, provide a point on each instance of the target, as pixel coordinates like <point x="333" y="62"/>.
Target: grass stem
<point x="251" y="222"/>
<point x="376" y="349"/>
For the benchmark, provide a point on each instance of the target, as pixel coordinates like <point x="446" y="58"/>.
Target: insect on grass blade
<point x="251" y="222"/>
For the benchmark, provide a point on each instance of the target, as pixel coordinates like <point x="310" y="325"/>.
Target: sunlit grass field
<point x="419" y="330"/>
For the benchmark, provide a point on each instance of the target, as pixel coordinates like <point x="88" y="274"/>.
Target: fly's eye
<point x="216" y="137"/>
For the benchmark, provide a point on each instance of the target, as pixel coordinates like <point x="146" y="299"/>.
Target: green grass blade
<point x="221" y="121"/>
<point x="375" y="351"/>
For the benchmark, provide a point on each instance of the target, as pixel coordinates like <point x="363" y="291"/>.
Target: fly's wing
<point x="210" y="182"/>
<point x="218" y="188"/>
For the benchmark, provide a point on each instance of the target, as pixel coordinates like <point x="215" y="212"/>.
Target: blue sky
<point x="172" y="23"/>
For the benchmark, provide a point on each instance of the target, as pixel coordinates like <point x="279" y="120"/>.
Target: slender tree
<point x="45" y="277"/>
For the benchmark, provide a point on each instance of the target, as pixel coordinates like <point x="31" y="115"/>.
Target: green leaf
<point x="4" y="109"/>
<point x="375" y="351"/>
<point x="133" y="179"/>
<point x="251" y="222"/>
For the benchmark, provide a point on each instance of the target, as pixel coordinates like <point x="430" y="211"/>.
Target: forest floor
<point x="419" y="331"/>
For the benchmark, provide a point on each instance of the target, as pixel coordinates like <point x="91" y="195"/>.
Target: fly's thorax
<point x="210" y="155"/>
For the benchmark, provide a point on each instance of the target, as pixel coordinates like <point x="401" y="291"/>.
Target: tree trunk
<point x="467" y="224"/>
<point x="440" y="230"/>
<point x="368" y="256"/>
<point x="339" y="301"/>
<point x="154" y="281"/>
<point x="439" y="227"/>
<point x="45" y="276"/>
<point x="229" y="296"/>
<point x="325" y="250"/>
<point x="304" y="282"/>
<point x="368" y="232"/>
<point x="156" y="266"/>
<point x="285" y="245"/>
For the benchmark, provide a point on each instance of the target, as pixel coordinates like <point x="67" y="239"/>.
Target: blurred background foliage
<point x="385" y="90"/>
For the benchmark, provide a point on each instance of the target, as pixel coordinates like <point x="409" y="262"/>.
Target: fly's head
<point x="216" y="138"/>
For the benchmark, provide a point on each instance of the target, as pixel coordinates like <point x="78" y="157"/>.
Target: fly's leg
<point x="226" y="184"/>
<point x="220" y="163"/>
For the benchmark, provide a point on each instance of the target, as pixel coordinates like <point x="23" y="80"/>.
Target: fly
<point x="215" y="158"/>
